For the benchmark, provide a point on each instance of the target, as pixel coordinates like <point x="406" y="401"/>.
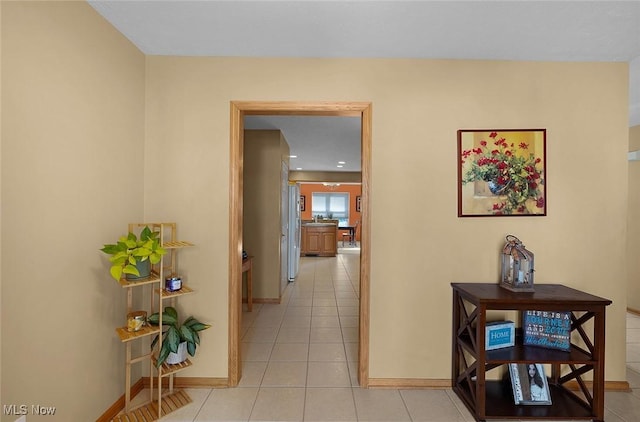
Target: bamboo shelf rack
<point x="160" y="403"/>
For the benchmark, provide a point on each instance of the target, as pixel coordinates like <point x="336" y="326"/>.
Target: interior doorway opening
<point x="239" y="110"/>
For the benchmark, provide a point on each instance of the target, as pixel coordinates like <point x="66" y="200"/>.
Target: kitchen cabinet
<point x="319" y="239"/>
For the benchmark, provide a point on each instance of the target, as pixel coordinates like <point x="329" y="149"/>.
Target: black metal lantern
<point x="517" y="266"/>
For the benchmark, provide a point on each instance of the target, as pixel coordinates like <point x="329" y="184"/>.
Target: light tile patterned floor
<point x="300" y="361"/>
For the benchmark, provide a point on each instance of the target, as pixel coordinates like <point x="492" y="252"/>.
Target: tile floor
<point x="300" y="361"/>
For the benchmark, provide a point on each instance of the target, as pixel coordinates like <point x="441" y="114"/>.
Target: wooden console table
<point x="247" y="267"/>
<point x="493" y="399"/>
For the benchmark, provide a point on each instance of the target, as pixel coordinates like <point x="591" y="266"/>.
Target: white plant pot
<point x="179" y="357"/>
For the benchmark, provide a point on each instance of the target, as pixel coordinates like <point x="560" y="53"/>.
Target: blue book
<point x="499" y="334"/>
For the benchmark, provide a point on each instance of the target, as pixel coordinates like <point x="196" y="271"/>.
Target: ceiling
<point x="493" y="30"/>
<point x="318" y="143"/>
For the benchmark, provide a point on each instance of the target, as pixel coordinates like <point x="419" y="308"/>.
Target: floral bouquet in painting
<point x="506" y="170"/>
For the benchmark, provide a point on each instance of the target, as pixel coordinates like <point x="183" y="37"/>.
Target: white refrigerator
<point x="294" y="231"/>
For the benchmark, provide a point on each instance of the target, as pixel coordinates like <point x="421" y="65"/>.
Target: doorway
<point x="240" y="109"/>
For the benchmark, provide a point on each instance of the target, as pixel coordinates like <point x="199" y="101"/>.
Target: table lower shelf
<point x="500" y="405"/>
<point x="149" y="411"/>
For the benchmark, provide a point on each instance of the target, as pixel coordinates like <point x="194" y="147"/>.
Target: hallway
<point x="300" y="361"/>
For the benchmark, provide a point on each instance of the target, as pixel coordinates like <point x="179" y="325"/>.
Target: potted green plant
<point x="132" y="256"/>
<point x="176" y="336"/>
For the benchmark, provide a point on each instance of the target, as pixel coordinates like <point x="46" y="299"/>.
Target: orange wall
<point x="307" y="190"/>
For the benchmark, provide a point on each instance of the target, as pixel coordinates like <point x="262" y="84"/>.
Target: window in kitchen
<point x="331" y="205"/>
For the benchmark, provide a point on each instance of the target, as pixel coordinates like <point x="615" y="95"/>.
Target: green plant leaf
<point x="191" y="348"/>
<point x="171" y="311"/>
<point x="154" y="342"/>
<point x="162" y="356"/>
<point x="189" y="321"/>
<point x="172" y="339"/>
<point x="155" y="257"/>
<point x="141" y="252"/>
<point x="116" y="272"/>
<point x="145" y="233"/>
<point x="130" y="269"/>
<point x="110" y="249"/>
<point x="168" y="319"/>
<point x="196" y="337"/>
<point x="198" y="326"/>
<point x="119" y="258"/>
<point x="187" y="334"/>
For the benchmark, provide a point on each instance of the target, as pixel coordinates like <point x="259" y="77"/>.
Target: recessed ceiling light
<point x="342" y="162"/>
<point x="298" y="168"/>
<point x="293" y="156"/>
<point x="339" y="166"/>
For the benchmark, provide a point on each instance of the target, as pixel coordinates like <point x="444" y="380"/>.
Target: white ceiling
<point x="319" y="143"/>
<point x="495" y="30"/>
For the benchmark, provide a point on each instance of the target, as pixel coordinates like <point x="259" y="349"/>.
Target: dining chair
<point x="351" y="234"/>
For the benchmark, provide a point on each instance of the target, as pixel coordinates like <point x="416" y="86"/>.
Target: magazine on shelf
<point x="529" y="384"/>
<point x="548" y="329"/>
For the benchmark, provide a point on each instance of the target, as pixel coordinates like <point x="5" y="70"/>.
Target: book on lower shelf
<point x="529" y="384"/>
<point x="548" y="329"/>
<point x="499" y="334"/>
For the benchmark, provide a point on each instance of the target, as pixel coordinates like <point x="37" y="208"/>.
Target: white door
<point x="284" y="224"/>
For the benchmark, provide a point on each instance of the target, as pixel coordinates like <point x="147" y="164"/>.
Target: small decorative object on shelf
<point x="548" y="329"/>
<point x="500" y="334"/>
<point x="136" y="320"/>
<point x="529" y="384"/>
<point x="173" y="283"/>
<point x="517" y="266"/>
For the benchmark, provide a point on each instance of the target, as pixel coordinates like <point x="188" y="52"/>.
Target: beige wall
<point x="417" y="107"/>
<point x="633" y="230"/>
<point x="75" y="96"/>
<point x="264" y="152"/>
<point x="72" y="178"/>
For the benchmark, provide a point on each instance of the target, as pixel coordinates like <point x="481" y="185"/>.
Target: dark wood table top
<point x="551" y="294"/>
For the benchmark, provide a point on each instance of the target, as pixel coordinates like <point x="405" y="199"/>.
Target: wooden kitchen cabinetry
<point x="488" y="397"/>
<point x="319" y="239"/>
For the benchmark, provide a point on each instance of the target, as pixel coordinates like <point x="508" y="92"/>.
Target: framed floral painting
<point x="502" y="172"/>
